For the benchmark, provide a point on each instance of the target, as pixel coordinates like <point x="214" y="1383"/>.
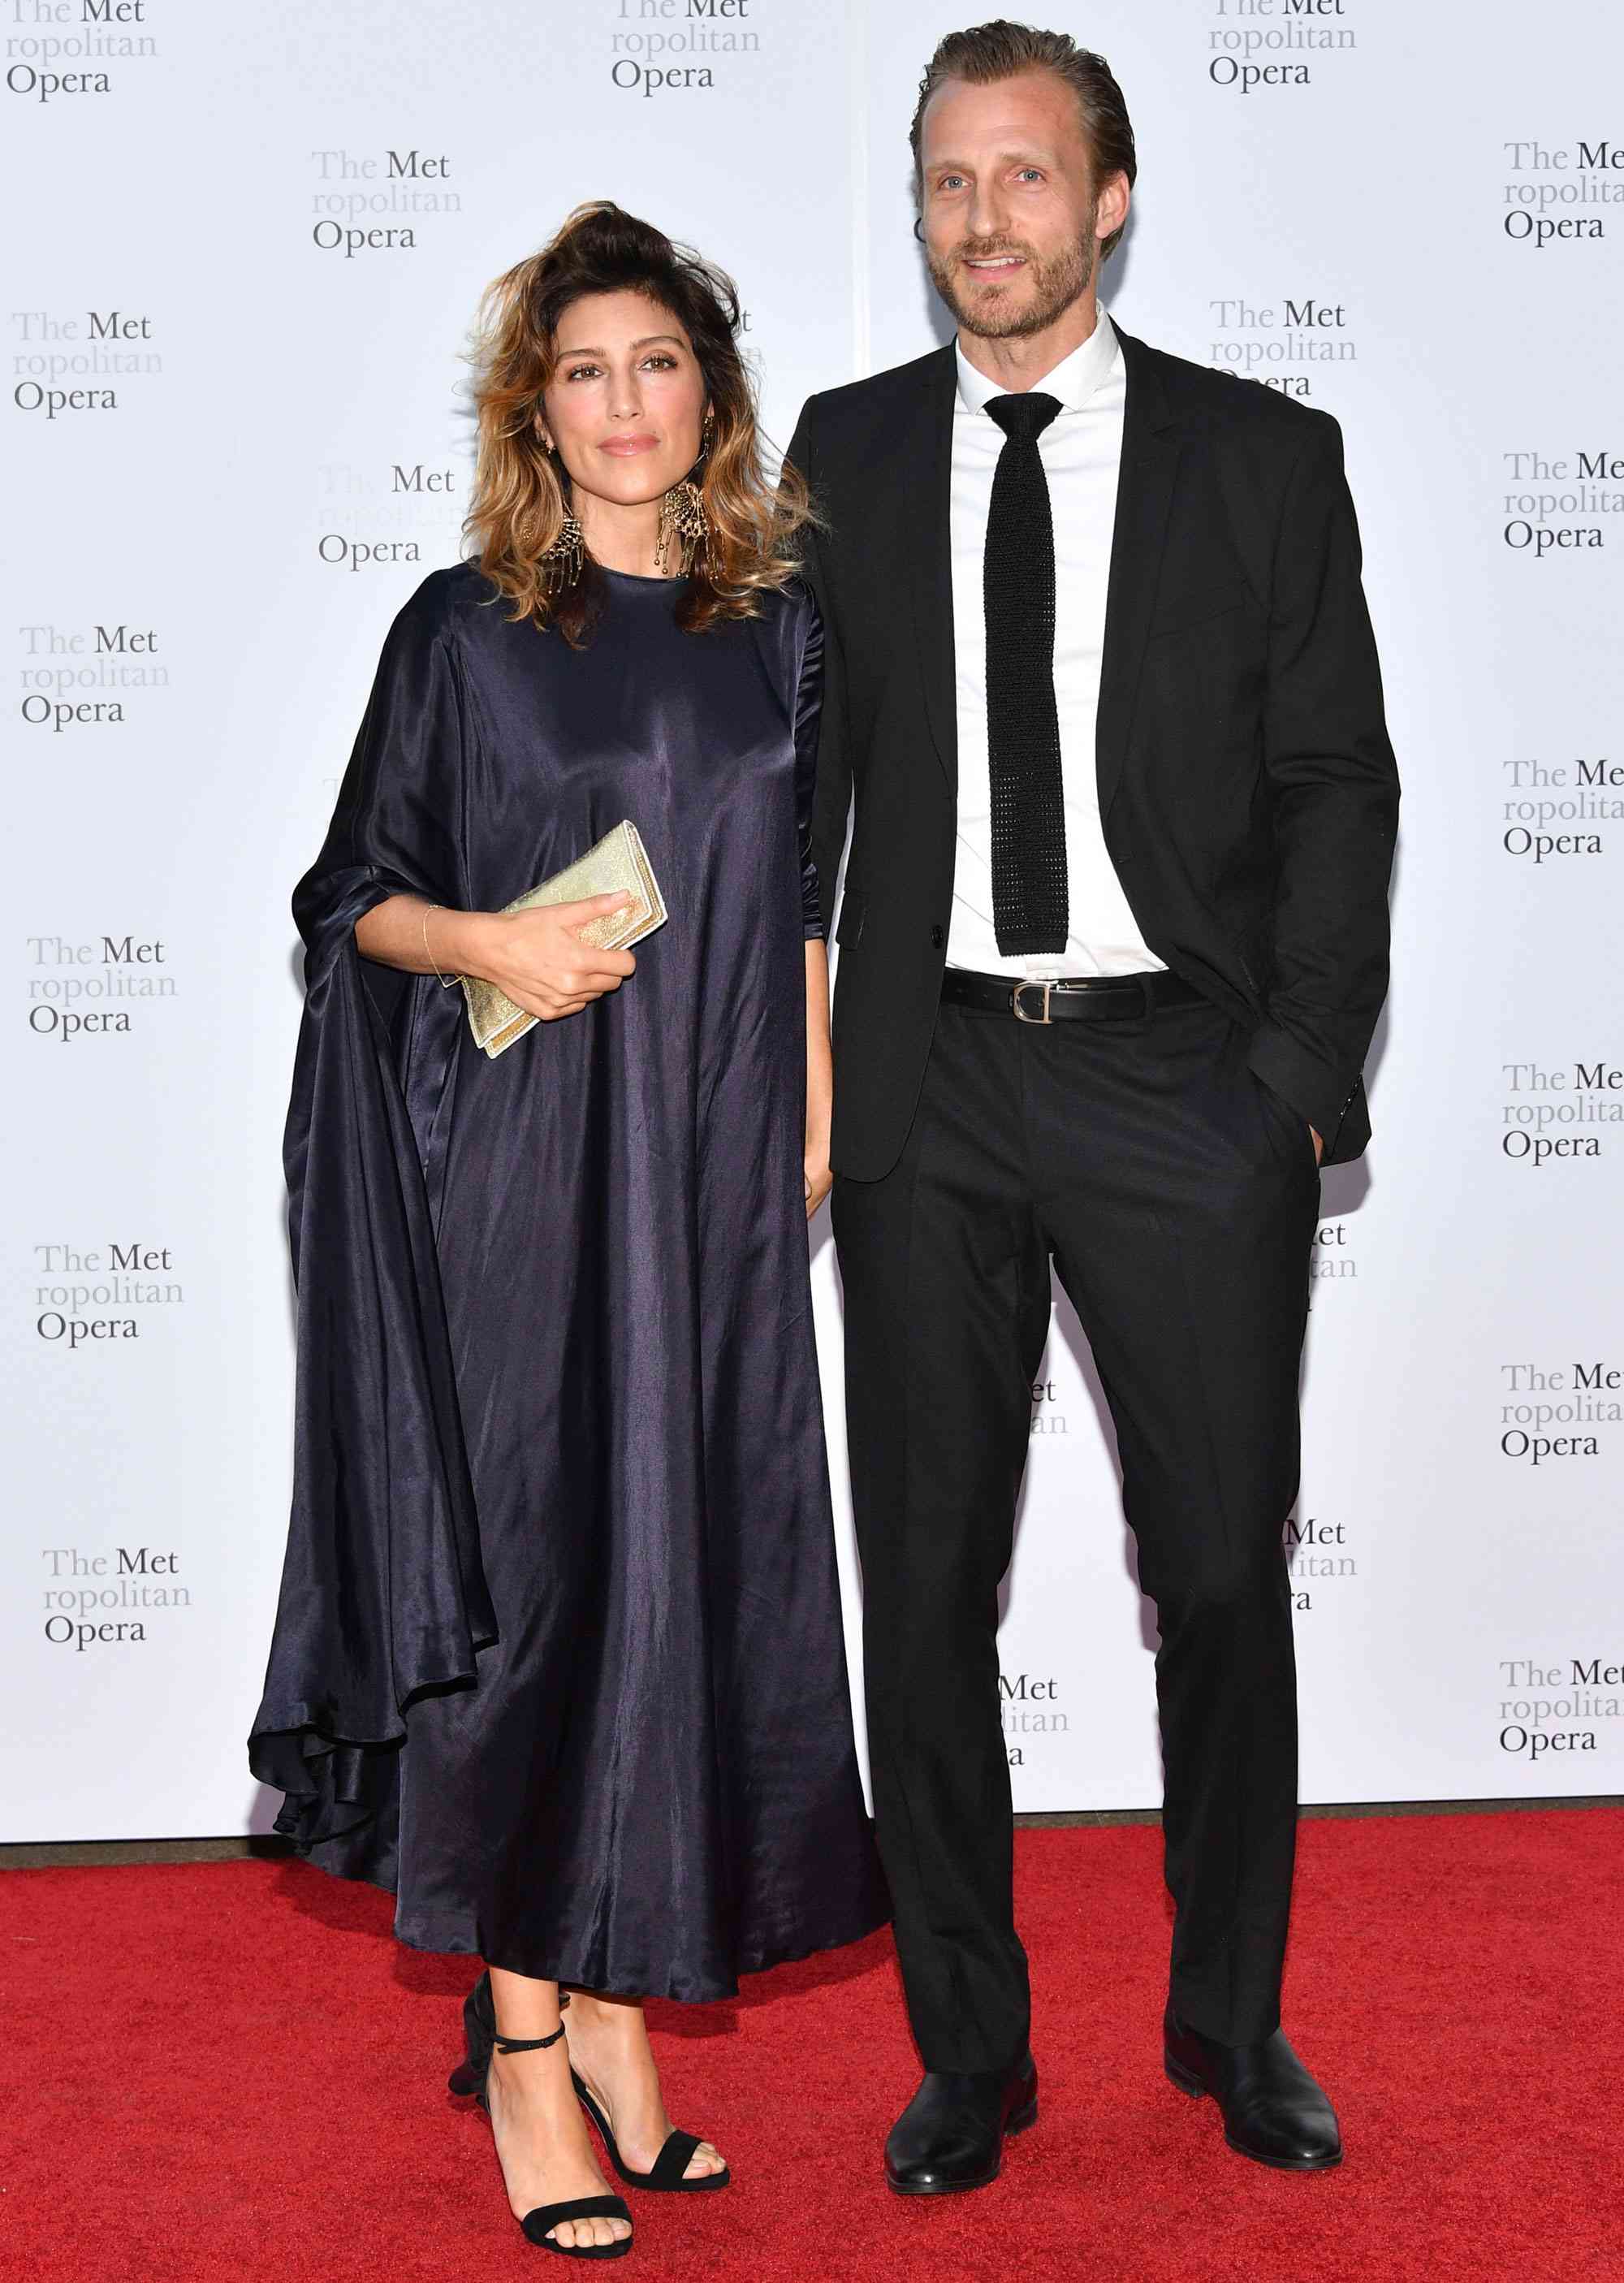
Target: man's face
<point x="1011" y="215"/>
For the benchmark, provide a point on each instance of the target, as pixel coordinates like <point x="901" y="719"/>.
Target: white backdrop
<point x="246" y="241"/>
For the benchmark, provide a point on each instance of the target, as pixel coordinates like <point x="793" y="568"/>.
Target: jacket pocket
<point x="853" y="912"/>
<point x="1288" y="1130"/>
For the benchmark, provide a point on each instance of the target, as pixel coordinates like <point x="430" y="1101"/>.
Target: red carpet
<point x="226" y="2070"/>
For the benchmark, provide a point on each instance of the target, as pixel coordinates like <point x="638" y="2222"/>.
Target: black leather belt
<point x="1088" y="996"/>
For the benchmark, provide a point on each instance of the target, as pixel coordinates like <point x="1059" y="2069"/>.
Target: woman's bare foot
<point x="542" y="2142"/>
<point x="609" y="2050"/>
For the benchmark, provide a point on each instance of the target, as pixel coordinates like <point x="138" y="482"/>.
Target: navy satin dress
<point x="558" y="1656"/>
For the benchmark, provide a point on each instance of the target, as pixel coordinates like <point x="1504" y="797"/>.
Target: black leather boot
<point x="1272" y="2109"/>
<point x="950" y="2135"/>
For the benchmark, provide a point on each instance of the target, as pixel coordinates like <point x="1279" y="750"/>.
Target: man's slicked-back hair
<point x="989" y="53"/>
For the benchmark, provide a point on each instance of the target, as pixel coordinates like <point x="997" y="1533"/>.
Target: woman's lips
<point x="628" y="448"/>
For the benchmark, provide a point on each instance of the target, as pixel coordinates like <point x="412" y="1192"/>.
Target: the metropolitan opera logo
<point x="98" y="987"/>
<point x="66" y="362"/>
<point x="1560" y="502"/>
<point x="81" y="677"/>
<point x="1553" y="1411"/>
<point x="1047" y="1417"/>
<point x="1557" y="192"/>
<point x="1558" y="808"/>
<point x="1332" y="1259"/>
<point x="1286" y="343"/>
<point x="1558" y="1705"/>
<point x="373" y="516"/>
<point x="1552" y="1112"/>
<point x="82" y="1295"/>
<point x="59" y="51"/>
<point x="1254" y="45"/>
<point x="1317" y="1554"/>
<point x="676" y="47"/>
<point x="1028" y="1708"/>
<point x="102" y="1600"/>
<point x="376" y="202"/>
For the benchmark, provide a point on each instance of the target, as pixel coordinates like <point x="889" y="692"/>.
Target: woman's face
<point x="626" y="399"/>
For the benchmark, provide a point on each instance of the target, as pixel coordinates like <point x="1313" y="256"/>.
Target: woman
<point x="558" y="1657"/>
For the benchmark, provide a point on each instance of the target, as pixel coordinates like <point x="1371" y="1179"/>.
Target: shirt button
<point x="937" y="939"/>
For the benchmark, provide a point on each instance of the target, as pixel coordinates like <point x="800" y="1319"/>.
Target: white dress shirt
<point x="1080" y="451"/>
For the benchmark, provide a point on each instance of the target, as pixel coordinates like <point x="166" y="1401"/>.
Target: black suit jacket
<point x="1246" y="785"/>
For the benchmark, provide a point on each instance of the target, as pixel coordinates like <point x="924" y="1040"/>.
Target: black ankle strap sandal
<point x="524" y="2045"/>
<point x="669" y="2174"/>
<point x="536" y="2224"/>
<point x="470" y="2077"/>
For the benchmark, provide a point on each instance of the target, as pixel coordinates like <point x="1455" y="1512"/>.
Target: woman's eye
<point x="661" y="362"/>
<point x="580" y="372"/>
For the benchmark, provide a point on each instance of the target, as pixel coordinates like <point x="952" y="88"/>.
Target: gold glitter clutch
<point x="618" y="863"/>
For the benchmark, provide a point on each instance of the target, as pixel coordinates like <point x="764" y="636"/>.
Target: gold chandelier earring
<point x="561" y="563"/>
<point x="682" y="514"/>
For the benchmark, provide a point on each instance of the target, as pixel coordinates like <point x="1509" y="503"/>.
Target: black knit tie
<point x="1030" y="906"/>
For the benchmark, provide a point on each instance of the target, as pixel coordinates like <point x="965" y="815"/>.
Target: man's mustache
<point x="973" y="249"/>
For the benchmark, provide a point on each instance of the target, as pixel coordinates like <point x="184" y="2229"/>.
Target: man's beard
<point x="1056" y="285"/>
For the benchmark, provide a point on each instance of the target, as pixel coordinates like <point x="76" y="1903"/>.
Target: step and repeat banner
<point x="245" y="244"/>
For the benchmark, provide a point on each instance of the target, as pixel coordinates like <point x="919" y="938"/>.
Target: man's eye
<point x="950" y="183"/>
<point x="1032" y="173"/>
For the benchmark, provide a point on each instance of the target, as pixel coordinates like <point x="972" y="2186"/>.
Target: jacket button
<point x="937" y="939"/>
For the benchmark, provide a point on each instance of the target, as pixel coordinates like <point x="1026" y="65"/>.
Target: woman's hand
<point x="538" y="958"/>
<point x="819" y="1179"/>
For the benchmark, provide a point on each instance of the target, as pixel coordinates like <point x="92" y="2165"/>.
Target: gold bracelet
<point x="427" y="954"/>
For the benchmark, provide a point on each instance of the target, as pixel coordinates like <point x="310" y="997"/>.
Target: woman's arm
<point x="537" y="957"/>
<point x="819" y="1075"/>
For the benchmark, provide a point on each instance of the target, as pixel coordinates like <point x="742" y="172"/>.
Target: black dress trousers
<point x="1176" y="1198"/>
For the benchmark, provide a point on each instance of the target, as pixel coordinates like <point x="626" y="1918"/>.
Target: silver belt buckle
<point x="1021" y="1014"/>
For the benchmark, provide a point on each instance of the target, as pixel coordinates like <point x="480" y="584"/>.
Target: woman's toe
<point x="588" y="2234"/>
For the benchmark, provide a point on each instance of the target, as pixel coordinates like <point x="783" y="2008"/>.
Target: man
<point x="1113" y="944"/>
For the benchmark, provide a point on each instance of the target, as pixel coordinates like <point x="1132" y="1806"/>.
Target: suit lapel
<point x="933" y="584"/>
<point x="1152" y="444"/>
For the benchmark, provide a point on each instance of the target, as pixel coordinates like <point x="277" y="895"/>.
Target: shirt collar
<point x="1074" y="381"/>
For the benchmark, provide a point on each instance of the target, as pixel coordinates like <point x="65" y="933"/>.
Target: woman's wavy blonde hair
<point x="520" y="494"/>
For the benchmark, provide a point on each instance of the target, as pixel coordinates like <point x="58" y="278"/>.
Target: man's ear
<point x="1111" y="206"/>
